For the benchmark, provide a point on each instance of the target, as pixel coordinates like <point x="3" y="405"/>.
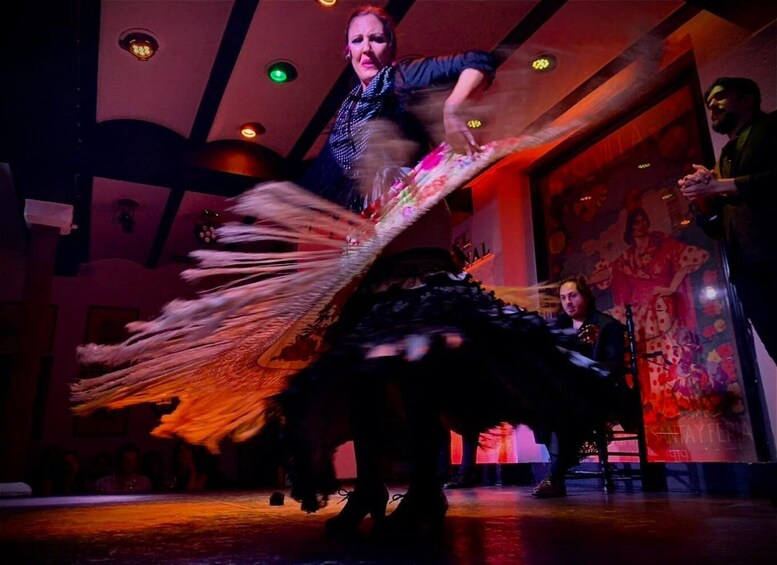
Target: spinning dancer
<point x="362" y="301"/>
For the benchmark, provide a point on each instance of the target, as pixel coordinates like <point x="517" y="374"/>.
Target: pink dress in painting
<point x="665" y="323"/>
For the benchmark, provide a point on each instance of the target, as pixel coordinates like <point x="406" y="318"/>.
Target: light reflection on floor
<point x="485" y="525"/>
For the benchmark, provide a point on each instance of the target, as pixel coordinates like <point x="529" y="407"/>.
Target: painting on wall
<point x="614" y="214"/>
<point x="104" y="325"/>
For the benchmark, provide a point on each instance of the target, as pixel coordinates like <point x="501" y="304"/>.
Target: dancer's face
<point x="572" y="301"/>
<point x="368" y="47"/>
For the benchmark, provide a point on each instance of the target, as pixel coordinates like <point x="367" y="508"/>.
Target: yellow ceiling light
<point x="474" y="124"/>
<point x="251" y="129"/>
<point x="544" y="63"/>
<point x="139" y="43"/>
<point x="327" y="3"/>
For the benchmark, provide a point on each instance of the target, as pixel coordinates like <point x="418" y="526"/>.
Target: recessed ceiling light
<point x="252" y="129"/>
<point x="282" y="71"/>
<point x="139" y="44"/>
<point x="205" y="227"/>
<point x="643" y="165"/>
<point x="544" y="63"/>
<point x="327" y="3"/>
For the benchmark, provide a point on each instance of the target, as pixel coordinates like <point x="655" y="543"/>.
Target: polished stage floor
<point x="485" y="525"/>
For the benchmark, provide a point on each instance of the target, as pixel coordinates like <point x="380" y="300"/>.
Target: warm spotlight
<point x="205" y="227"/>
<point x="251" y="129"/>
<point x="544" y="63"/>
<point x="139" y="44"/>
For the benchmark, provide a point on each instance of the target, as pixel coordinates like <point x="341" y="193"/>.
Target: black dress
<point x="457" y="353"/>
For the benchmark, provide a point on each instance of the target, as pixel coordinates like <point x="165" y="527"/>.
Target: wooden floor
<point x="485" y="525"/>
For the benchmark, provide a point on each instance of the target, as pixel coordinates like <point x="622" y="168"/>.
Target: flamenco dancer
<point x="361" y="302"/>
<point x="372" y="336"/>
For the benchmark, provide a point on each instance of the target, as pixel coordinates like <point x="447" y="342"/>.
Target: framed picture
<point x="612" y="211"/>
<point x="104" y="325"/>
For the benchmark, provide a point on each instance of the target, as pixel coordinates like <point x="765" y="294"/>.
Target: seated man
<point x="600" y="337"/>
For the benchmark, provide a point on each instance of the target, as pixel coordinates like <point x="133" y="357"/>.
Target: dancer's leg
<point x="366" y="406"/>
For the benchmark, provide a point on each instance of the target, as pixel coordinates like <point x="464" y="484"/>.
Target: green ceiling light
<point x="282" y="71"/>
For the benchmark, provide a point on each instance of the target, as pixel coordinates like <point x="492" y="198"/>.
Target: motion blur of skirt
<point x="417" y="324"/>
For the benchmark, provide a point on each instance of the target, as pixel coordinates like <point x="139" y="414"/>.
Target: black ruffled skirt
<point x="416" y="324"/>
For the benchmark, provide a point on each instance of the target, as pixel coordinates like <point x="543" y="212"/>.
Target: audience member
<point x="154" y="468"/>
<point x="102" y="465"/>
<point x="191" y="472"/>
<point x="126" y="479"/>
<point x="68" y="478"/>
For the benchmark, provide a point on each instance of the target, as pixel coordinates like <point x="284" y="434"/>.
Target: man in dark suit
<point x="737" y="200"/>
<point x="600" y="337"/>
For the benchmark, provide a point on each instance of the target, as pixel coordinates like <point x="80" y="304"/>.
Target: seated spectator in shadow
<point x="102" y="465"/>
<point x="68" y="477"/>
<point x="126" y="479"/>
<point x="154" y="469"/>
<point x="44" y="471"/>
<point x="191" y="468"/>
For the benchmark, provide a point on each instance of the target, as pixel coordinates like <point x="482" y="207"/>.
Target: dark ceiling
<point x="85" y="124"/>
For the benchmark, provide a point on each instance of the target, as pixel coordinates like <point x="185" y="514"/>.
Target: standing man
<point x="600" y="337"/>
<point x="737" y="200"/>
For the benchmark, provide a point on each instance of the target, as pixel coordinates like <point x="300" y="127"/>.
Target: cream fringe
<point x="542" y="297"/>
<point x="211" y="352"/>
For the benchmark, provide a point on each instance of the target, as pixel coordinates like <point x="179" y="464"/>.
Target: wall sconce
<point x="139" y="44"/>
<point x="205" y="227"/>
<point x="125" y="215"/>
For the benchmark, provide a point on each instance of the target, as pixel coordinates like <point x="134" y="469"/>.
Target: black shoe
<point x="549" y="488"/>
<point x="418" y="512"/>
<point x="358" y="504"/>
<point x="460" y="482"/>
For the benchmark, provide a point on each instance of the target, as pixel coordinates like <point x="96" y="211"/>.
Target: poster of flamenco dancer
<point x="614" y="214"/>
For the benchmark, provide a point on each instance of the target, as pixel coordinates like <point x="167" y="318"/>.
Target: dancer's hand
<point x="457" y="134"/>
